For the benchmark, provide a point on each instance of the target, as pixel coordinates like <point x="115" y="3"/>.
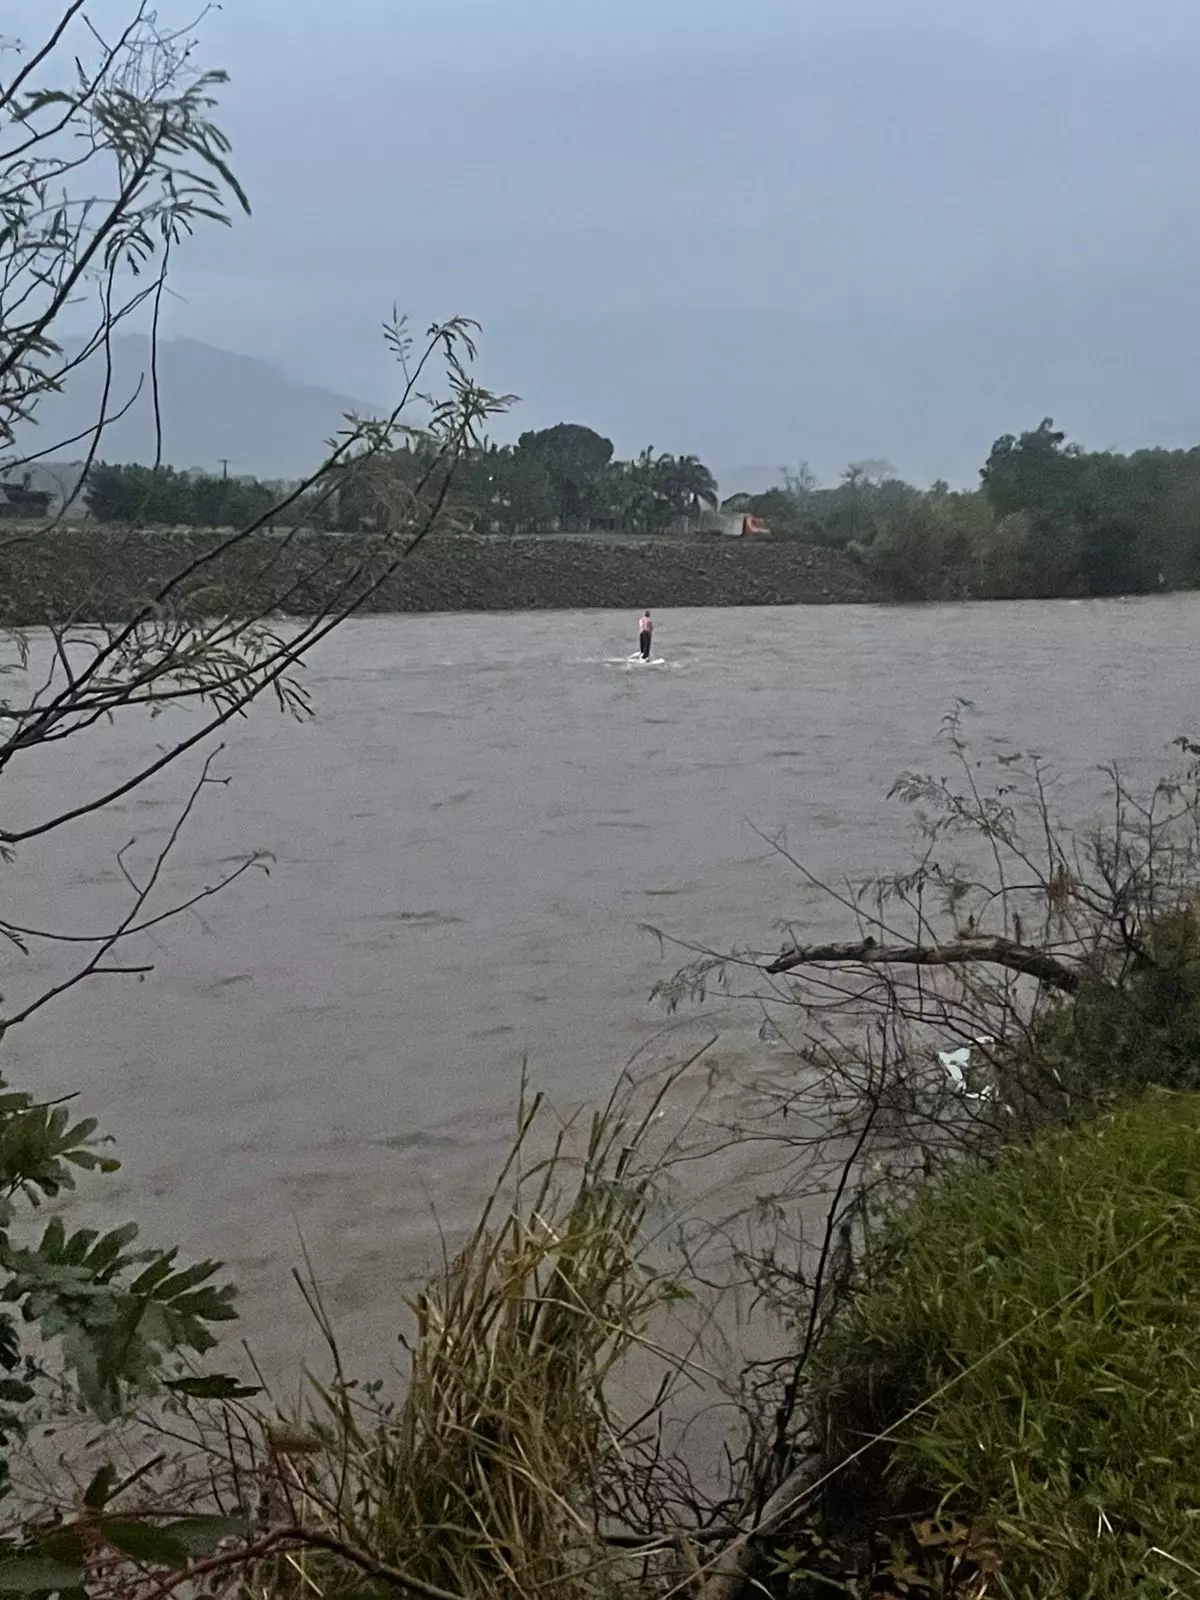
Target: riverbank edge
<point x="96" y="574"/>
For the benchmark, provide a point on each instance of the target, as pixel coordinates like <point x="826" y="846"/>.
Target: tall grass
<point x="1033" y="1344"/>
<point x="490" y="1474"/>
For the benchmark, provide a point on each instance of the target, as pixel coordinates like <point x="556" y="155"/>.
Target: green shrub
<point x="1031" y="1346"/>
<point x="1116" y="1039"/>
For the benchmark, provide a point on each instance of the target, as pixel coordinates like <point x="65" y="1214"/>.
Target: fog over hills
<point x="215" y="405"/>
<point x="219" y="406"/>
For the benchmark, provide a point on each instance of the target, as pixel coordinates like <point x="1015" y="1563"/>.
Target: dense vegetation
<point x="562" y="478"/>
<point x="996" y="1351"/>
<point x="163" y="497"/>
<point x="1049" y="518"/>
<point x="1030" y="1349"/>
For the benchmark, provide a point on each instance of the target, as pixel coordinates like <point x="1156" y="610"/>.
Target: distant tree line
<point x="1048" y="518"/>
<point x="561" y="479"/>
<point x="164" y="497"/>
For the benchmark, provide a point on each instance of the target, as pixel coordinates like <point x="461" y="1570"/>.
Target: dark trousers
<point x="644" y="644"/>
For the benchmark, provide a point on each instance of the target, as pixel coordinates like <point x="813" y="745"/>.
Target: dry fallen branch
<point x="1025" y="959"/>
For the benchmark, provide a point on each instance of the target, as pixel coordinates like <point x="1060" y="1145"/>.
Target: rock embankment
<point x="96" y="574"/>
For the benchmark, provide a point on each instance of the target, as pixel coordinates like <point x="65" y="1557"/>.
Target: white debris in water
<point x="955" y="1064"/>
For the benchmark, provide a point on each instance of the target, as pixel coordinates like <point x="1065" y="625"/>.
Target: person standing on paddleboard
<point x="645" y="634"/>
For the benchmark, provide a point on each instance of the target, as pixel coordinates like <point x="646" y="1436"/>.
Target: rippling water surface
<point x="468" y="841"/>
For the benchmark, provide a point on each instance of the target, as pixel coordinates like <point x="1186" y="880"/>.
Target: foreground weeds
<point x="1028" y="1359"/>
<point x="488" y="1476"/>
<point x="497" y="1464"/>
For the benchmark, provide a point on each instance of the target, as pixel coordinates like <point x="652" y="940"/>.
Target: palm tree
<point x="694" y="484"/>
<point x="645" y="504"/>
<point x="663" y="488"/>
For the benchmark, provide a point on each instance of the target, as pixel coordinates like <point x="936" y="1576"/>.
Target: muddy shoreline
<point x="98" y="574"/>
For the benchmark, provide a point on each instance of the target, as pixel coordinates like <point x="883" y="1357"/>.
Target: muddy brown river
<point x="467" y="842"/>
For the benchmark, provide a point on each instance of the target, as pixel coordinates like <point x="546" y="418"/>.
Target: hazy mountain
<point x="218" y="405"/>
<point x="214" y="405"/>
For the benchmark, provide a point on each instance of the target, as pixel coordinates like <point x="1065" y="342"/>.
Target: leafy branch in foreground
<point x="114" y="1314"/>
<point x="162" y="655"/>
<point x="109" y="158"/>
<point x="501" y="1464"/>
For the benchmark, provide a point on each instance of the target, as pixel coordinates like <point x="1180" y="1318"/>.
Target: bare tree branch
<point x="1030" y="962"/>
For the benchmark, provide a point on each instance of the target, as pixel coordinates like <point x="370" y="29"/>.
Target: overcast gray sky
<point x="761" y="230"/>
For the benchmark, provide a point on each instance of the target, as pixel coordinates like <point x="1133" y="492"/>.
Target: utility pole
<point x="224" y="466"/>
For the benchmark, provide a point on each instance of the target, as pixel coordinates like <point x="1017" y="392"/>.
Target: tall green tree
<point x="687" y="484"/>
<point x="1035" y="472"/>
<point x="212" y="501"/>
<point x="140" y="496"/>
<point x="575" y="459"/>
<point x="523" y="493"/>
<point x="648" y="503"/>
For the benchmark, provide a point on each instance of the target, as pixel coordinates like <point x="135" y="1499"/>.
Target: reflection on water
<point x="467" y="843"/>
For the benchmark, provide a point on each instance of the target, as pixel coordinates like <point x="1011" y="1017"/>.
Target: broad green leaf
<point x="109" y="1248"/>
<point x="53" y="1239"/>
<point x="217" y="1386"/>
<point x="190" y="1278"/>
<point x="200" y="1536"/>
<point x="75" y="1251"/>
<point x="99" y="1491"/>
<point x="144" y="1542"/>
<point x="80" y="1134"/>
<point x="154" y="1274"/>
<point x="65" y="1544"/>
<point x="37" y="1575"/>
<point x="89" y="1161"/>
